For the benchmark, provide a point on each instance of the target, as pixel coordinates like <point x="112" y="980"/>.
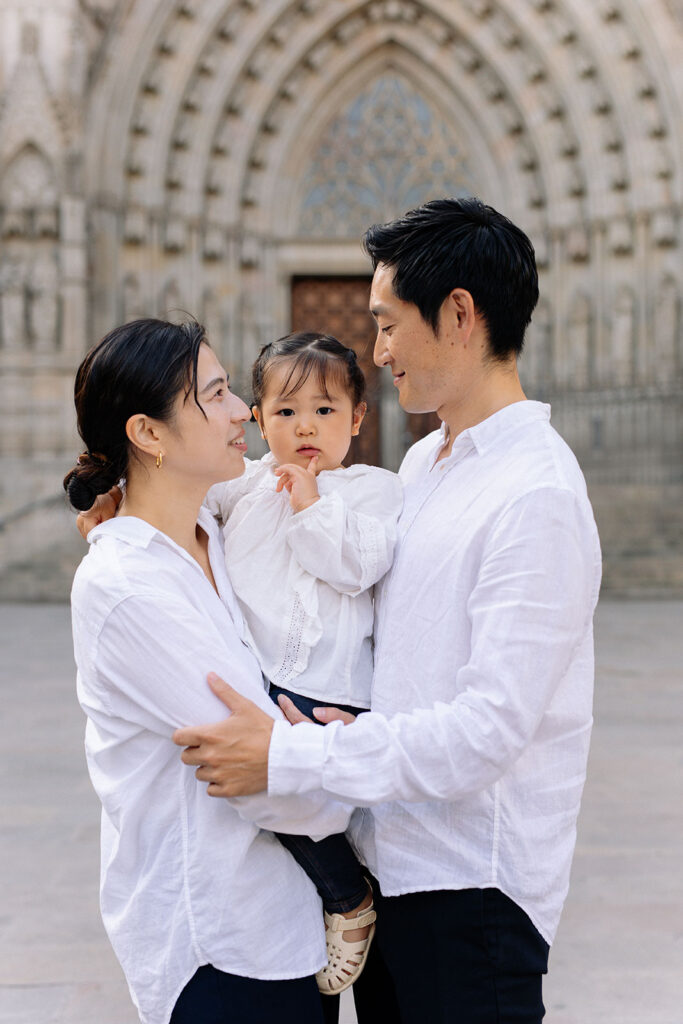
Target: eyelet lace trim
<point x="290" y="661"/>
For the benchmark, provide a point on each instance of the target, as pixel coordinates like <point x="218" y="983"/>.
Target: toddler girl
<point x="305" y="540"/>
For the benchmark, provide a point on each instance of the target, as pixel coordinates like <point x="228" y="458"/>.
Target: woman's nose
<point x="240" y="411"/>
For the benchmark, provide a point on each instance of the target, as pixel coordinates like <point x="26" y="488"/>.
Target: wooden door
<point x="339" y="306"/>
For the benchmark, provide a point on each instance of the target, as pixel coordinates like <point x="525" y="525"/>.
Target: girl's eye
<point x="325" y="410"/>
<point x="285" y="412"/>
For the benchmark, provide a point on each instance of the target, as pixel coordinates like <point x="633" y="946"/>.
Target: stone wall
<point x="198" y="155"/>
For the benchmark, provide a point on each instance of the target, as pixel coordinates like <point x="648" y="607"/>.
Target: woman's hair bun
<point x="93" y="474"/>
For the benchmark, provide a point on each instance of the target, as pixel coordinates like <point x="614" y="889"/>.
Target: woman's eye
<point x="219" y="393"/>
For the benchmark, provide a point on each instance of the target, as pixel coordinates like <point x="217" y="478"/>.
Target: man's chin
<point x="413" y="407"/>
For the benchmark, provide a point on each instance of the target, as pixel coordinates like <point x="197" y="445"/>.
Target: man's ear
<point x="460" y="305"/>
<point x="144" y="434"/>
<point x="358" y="414"/>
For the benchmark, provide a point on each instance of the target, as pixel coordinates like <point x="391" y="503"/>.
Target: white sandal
<point x="346" y="960"/>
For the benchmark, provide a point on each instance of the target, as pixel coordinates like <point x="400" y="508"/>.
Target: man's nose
<point x="379" y="352"/>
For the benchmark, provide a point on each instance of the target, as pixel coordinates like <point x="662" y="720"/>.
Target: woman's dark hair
<point x="309" y="351"/>
<point x="462" y="243"/>
<point x="140" y="367"/>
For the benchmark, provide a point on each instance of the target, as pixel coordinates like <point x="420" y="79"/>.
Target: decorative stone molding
<point x="665" y="229"/>
<point x="578" y="244"/>
<point x="135" y="226"/>
<point x="175" y="235"/>
<point x="620" y="236"/>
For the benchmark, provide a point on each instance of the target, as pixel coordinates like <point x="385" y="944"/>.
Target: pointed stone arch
<point x="279" y="191"/>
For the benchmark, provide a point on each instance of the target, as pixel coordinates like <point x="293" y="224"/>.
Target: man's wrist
<point x="295" y="758"/>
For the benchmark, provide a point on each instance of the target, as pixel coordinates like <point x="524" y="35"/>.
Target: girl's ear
<point x="358" y="414"/>
<point x="256" y="413"/>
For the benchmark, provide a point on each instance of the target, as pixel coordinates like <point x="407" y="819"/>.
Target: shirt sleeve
<point x="222" y="498"/>
<point x="347" y="538"/>
<point x="153" y="656"/>
<point x="530" y="608"/>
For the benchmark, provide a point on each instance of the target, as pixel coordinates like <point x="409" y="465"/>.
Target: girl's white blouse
<point x="304" y="580"/>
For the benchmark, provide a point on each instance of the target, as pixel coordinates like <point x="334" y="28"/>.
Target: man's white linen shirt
<point x="186" y="879"/>
<point x="474" y="754"/>
<point x="304" y="580"/>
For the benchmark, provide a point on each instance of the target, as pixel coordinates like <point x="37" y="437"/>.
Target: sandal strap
<point x="337" y="923"/>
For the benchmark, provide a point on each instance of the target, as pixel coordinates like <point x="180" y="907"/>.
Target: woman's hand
<point x="104" y="508"/>
<point x="300" y="482"/>
<point x="324" y="715"/>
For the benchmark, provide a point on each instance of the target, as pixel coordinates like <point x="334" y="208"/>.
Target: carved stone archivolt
<point x="216" y="140"/>
<point x="253" y="126"/>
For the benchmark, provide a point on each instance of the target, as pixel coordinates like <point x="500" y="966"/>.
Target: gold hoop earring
<point x="160" y="459"/>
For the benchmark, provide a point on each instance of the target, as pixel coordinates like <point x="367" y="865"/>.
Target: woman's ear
<point x="144" y="434"/>
<point x="358" y="414"/>
<point x="256" y="413"/>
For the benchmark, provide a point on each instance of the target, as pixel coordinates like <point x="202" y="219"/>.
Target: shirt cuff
<point x="295" y="758"/>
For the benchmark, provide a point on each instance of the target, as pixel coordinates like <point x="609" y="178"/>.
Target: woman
<point x="211" y="918"/>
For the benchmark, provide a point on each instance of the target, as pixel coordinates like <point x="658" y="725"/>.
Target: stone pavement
<point x="618" y="958"/>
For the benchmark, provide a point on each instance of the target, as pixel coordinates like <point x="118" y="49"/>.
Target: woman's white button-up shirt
<point x="474" y="754"/>
<point x="186" y="879"/>
<point x="304" y="581"/>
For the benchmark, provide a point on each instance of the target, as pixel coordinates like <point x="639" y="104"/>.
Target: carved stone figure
<point x="43" y="303"/>
<point x="622" y="349"/>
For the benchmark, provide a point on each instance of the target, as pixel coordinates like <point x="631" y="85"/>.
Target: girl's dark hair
<point x="309" y="351"/>
<point x="140" y="367"/>
<point x="461" y="243"/>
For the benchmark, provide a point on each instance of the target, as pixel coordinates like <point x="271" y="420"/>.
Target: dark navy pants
<point x="464" y="957"/>
<point x="330" y="863"/>
<point x="214" y="997"/>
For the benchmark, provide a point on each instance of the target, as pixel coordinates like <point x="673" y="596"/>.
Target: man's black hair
<point x="461" y="243"/>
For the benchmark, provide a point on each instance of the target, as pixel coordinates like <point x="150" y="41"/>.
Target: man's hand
<point x="324" y="715"/>
<point x="104" y="508"/>
<point x="233" y="754"/>
<point x="300" y="482"/>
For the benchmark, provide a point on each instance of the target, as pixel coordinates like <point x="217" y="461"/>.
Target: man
<point x="472" y="760"/>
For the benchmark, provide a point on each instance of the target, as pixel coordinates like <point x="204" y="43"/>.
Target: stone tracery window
<point x="387" y="152"/>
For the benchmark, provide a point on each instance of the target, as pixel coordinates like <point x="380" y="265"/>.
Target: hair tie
<point x="85" y="457"/>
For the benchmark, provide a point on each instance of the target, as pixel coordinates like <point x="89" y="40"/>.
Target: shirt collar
<point x="485" y="435"/>
<point x="139" y="533"/>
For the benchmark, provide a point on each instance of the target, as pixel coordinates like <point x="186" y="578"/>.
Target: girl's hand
<point x="300" y="483"/>
<point x="324" y="715"/>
